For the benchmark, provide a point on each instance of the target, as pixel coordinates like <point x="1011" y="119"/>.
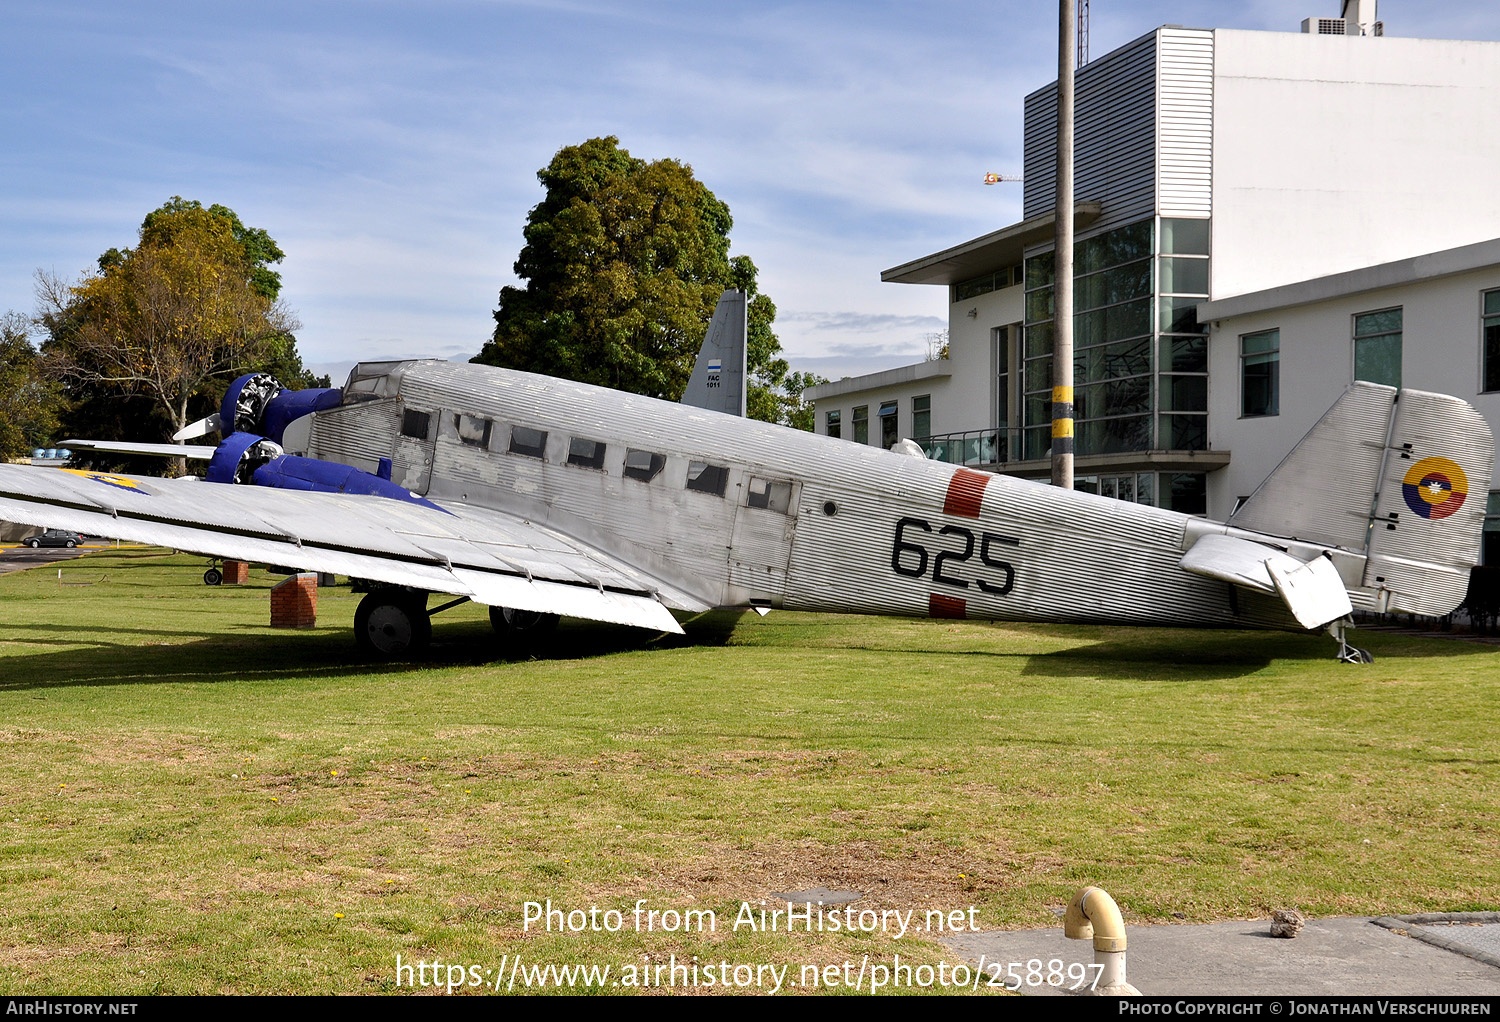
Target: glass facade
<point x="1140" y="357"/>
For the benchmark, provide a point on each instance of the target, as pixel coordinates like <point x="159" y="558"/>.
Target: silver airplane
<point x="543" y="498"/>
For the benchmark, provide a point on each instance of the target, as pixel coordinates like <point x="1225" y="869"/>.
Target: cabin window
<point x="772" y="494"/>
<point x="706" y="478"/>
<point x="586" y="453"/>
<point x="528" y="442"/>
<point x="473" y="430"/>
<point x="415" y="424"/>
<point x="643" y="465"/>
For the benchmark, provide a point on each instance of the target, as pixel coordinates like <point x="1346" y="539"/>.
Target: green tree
<point x="28" y="401"/>
<point x="623" y="262"/>
<point x="158" y="330"/>
<point x="794" y="411"/>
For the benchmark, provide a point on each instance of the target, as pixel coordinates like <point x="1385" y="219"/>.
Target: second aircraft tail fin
<point x="718" y="380"/>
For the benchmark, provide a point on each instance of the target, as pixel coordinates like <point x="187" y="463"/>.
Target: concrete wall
<point x="1332" y="153"/>
<point x="1441" y="350"/>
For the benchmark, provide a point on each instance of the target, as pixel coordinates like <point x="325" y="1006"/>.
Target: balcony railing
<point x="972" y="446"/>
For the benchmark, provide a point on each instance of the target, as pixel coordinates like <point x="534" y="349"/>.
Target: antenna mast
<point x="1083" y="32"/>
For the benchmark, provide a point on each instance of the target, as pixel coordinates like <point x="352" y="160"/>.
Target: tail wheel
<point x="507" y="620"/>
<point x="213" y="577"/>
<point x="392" y="623"/>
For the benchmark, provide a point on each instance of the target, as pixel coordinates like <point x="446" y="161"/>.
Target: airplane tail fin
<point x="718" y="380"/>
<point x="1400" y="476"/>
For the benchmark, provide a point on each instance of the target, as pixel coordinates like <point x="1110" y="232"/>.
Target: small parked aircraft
<point x="541" y="497"/>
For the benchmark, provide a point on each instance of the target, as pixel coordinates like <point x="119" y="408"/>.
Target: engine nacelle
<point x="258" y="403"/>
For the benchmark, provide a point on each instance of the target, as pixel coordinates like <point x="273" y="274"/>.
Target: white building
<point x="1263" y="217"/>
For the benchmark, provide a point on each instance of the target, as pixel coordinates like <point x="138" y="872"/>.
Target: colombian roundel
<point x="1435" y="488"/>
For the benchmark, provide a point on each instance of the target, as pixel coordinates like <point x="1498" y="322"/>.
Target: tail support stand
<point x="1347" y="654"/>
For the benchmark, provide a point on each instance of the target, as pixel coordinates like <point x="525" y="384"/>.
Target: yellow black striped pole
<point x="1062" y="278"/>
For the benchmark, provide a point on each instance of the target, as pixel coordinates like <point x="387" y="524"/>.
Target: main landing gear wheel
<point x="213" y="577"/>
<point x="507" y="621"/>
<point x="392" y="623"/>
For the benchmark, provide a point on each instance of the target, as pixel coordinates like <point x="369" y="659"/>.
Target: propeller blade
<point x="193" y="430"/>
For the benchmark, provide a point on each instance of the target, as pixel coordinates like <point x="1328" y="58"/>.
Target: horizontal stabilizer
<point x="193" y="452"/>
<point x="1313" y="591"/>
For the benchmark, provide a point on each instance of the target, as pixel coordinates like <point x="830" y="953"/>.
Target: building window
<point x="1377" y="347"/>
<point x="888" y="427"/>
<point x="1260" y="373"/>
<point x="1491" y="371"/>
<point x="862" y="424"/>
<point x="921" y="416"/>
<point x="834" y="428"/>
<point x="1489" y="551"/>
<point x="706" y="478"/>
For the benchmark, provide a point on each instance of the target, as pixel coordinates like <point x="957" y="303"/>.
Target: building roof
<point x="1431" y="266"/>
<point x="885" y="378"/>
<point x="986" y="253"/>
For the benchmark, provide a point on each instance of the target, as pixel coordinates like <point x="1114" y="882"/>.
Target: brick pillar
<point x="236" y="573"/>
<point x="294" y="602"/>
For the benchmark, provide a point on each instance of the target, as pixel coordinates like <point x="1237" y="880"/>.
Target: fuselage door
<point x="412" y="458"/>
<point x="761" y="545"/>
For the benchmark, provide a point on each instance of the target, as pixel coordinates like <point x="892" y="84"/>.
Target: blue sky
<point x="391" y="148"/>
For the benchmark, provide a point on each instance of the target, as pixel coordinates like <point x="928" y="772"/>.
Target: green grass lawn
<point x="192" y="802"/>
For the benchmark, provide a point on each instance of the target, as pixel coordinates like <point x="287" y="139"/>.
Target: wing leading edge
<point x="489" y="556"/>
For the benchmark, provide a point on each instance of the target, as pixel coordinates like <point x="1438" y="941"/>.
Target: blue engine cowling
<point x="257" y="403"/>
<point x="254" y="415"/>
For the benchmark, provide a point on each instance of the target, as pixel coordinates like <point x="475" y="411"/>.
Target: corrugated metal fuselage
<point x="774" y="516"/>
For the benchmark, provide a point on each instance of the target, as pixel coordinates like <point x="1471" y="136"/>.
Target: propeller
<point x="193" y="430"/>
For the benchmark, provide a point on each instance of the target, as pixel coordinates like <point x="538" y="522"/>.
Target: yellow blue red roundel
<point x="1435" y="488"/>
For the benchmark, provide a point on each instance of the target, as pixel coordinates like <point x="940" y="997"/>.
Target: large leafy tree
<point x="623" y="262"/>
<point x="28" y="401"/>
<point x="146" y="344"/>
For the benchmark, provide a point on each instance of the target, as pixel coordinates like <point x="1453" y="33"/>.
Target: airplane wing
<point x="1312" y="591"/>
<point x="489" y="556"/>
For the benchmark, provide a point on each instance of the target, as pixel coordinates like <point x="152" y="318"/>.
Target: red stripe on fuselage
<point x="946" y="606"/>
<point x="965" y="493"/>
